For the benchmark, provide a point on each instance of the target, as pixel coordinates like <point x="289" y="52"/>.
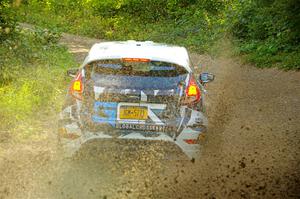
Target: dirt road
<point x="252" y="149"/>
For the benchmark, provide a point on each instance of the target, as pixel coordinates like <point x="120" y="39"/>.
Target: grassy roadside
<point x="267" y="55"/>
<point x="32" y="83"/>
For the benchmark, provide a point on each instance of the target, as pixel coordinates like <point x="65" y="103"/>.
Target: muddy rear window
<point x="152" y="68"/>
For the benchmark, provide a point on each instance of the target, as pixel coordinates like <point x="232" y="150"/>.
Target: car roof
<point x="139" y="49"/>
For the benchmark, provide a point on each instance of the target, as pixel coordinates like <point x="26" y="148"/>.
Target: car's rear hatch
<point x="141" y="96"/>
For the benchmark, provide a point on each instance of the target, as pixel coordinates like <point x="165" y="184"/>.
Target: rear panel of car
<point x="141" y="96"/>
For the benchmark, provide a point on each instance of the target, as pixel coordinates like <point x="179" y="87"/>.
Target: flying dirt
<point x="251" y="149"/>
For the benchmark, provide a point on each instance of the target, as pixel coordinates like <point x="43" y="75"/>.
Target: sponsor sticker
<point x="144" y="127"/>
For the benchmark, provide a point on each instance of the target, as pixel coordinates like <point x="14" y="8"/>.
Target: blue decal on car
<point x="105" y="112"/>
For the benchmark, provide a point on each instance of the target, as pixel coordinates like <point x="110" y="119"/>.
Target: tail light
<point x="192" y="91"/>
<point x="76" y="88"/>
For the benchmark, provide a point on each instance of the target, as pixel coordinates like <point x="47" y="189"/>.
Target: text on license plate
<point x="133" y="112"/>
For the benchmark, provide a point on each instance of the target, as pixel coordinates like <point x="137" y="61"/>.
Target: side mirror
<point x="206" y="77"/>
<point x="72" y="72"/>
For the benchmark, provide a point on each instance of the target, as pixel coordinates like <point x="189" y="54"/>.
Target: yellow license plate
<point x="133" y="112"/>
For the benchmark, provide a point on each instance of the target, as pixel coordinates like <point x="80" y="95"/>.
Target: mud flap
<point x="187" y="140"/>
<point x="190" y="149"/>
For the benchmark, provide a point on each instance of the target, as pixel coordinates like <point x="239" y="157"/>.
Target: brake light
<point x="77" y="87"/>
<point x="135" y="60"/>
<point x="193" y="91"/>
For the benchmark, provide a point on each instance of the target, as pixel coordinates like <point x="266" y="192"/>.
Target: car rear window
<point x="118" y="67"/>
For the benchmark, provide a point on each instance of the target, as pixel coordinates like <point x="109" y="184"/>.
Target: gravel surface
<point x="252" y="148"/>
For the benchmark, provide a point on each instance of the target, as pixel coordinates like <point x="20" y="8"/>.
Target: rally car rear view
<point x="134" y="90"/>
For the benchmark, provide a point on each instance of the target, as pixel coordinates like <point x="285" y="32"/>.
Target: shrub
<point x="32" y="80"/>
<point x="269" y="31"/>
<point x="7" y="20"/>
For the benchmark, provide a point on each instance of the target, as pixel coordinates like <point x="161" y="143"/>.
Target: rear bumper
<point x="71" y="136"/>
<point x="71" y="146"/>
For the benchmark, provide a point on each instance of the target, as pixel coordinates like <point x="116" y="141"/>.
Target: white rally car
<point x="134" y="90"/>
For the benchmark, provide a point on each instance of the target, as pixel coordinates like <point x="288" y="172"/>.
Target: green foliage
<point x="192" y="23"/>
<point x="7" y="20"/>
<point x="269" y="31"/>
<point x="24" y="48"/>
<point x="32" y="79"/>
